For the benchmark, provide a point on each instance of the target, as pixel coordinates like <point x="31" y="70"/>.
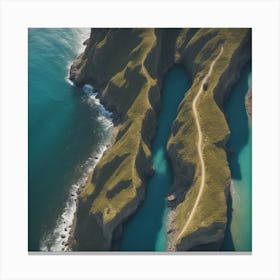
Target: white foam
<point x="88" y="90"/>
<point x="82" y="34"/>
<point x="67" y="74"/>
<point x="57" y="239"/>
<point x="234" y="194"/>
<point x="105" y="115"/>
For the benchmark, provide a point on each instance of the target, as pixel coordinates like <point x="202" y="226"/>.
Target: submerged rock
<point x="171" y="197"/>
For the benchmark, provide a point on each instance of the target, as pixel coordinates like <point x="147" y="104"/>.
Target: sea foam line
<point x="84" y="35"/>
<point x="57" y="239"/>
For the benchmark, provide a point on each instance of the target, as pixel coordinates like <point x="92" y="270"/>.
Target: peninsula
<point x="127" y="67"/>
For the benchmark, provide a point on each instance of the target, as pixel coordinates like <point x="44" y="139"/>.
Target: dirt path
<point x="199" y="144"/>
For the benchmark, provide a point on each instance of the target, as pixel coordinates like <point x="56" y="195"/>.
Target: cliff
<point x="127" y="66"/>
<point x="197" y="55"/>
<point x="117" y="67"/>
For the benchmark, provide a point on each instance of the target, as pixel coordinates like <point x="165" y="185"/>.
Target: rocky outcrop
<point x="241" y="56"/>
<point x="206" y="238"/>
<point x="183" y="174"/>
<point x="128" y="78"/>
<point x="249" y="103"/>
<point x="128" y="75"/>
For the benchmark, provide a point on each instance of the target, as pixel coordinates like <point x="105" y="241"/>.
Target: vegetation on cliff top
<point x="116" y="177"/>
<point x="128" y="74"/>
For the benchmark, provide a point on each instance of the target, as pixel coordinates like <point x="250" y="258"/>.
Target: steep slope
<point x="127" y="66"/>
<point x="132" y="92"/>
<point x="207" y="223"/>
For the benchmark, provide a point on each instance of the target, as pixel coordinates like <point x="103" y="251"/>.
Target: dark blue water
<point x="146" y="229"/>
<point x="239" y="233"/>
<point x="64" y="132"/>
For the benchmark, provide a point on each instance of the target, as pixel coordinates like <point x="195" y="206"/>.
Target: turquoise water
<point x="65" y="131"/>
<point x="239" y="233"/>
<point x="146" y="230"/>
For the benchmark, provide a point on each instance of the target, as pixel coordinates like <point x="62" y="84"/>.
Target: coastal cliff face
<point x="212" y="208"/>
<point x="126" y="67"/>
<point x="125" y="73"/>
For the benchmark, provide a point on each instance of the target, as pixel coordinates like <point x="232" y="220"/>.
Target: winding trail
<point x="199" y="144"/>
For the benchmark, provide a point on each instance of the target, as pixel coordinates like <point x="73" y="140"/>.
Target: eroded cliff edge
<point x="127" y="66"/>
<point x="208" y="223"/>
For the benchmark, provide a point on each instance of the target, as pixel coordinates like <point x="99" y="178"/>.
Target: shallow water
<point x="66" y="130"/>
<point x="146" y="230"/>
<point x="239" y="234"/>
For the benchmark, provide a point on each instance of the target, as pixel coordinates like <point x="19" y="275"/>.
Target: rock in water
<point x="88" y="90"/>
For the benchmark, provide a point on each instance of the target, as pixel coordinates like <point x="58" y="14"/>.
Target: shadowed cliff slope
<point x="127" y="66"/>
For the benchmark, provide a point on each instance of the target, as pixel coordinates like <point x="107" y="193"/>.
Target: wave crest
<point x="57" y="239"/>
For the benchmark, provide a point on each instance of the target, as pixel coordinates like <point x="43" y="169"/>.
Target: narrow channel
<point x="239" y="231"/>
<point x="146" y="230"/>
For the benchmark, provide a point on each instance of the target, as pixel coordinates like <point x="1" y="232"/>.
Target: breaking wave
<point x="57" y="239"/>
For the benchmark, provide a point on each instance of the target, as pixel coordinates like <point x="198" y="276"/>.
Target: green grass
<point x="123" y="69"/>
<point x="212" y="206"/>
<point x="128" y="91"/>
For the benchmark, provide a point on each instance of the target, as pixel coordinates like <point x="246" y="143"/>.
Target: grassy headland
<point x="127" y="66"/>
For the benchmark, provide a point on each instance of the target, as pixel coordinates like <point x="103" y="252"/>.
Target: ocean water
<point x="146" y="230"/>
<point x="239" y="232"/>
<point x="67" y="130"/>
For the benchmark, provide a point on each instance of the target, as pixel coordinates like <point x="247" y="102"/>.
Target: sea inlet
<point x="146" y="230"/>
<point x="239" y="231"/>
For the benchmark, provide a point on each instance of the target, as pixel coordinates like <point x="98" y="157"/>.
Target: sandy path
<point x="199" y="144"/>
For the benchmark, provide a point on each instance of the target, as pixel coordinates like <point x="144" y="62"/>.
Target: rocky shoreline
<point x="70" y="242"/>
<point x="130" y="88"/>
<point x="248" y="102"/>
